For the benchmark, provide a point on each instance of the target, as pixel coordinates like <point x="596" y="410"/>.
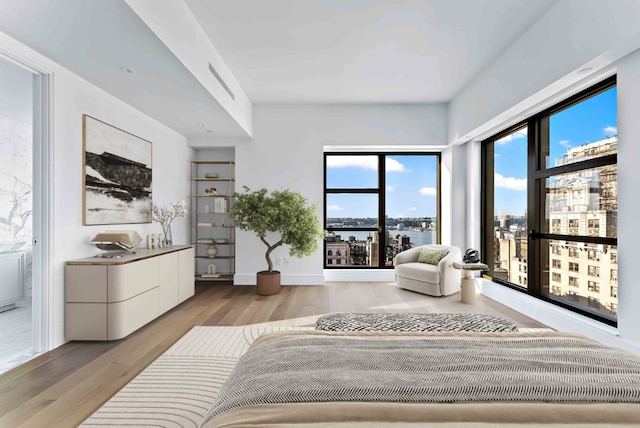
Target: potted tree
<point x="285" y="213"/>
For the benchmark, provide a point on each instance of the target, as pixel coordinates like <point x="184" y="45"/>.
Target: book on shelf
<point x="221" y="205"/>
<point x="204" y="224"/>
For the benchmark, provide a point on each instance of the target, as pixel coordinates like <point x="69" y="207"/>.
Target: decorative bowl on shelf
<point x="221" y="241"/>
<point x="205" y="241"/>
<point x="211" y="175"/>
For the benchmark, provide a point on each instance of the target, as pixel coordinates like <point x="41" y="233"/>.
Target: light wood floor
<point x="65" y="386"/>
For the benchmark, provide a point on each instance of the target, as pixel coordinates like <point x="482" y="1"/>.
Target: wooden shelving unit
<point x="210" y="220"/>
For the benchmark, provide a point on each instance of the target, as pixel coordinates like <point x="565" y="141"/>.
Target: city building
<point x="583" y="204"/>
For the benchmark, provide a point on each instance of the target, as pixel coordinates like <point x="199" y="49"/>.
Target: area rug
<point x="178" y="388"/>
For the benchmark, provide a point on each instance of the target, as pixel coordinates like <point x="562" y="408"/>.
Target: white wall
<point x="287" y="152"/>
<point x="17" y="95"/>
<point x="540" y="69"/>
<point x="628" y="201"/>
<point x="571" y="35"/>
<point x="74" y="97"/>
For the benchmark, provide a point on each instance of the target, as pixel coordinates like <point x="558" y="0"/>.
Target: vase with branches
<point x="165" y="216"/>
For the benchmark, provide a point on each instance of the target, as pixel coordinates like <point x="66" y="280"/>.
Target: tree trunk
<point x="270" y="248"/>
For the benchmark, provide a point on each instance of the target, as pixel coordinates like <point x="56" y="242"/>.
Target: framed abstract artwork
<point x="116" y="175"/>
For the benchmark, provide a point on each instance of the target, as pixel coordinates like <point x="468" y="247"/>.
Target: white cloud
<point x="334" y="208"/>
<point x="613" y="130"/>
<point x="509" y="182"/>
<point x="366" y="162"/>
<point x="390" y="188"/>
<point x="516" y="135"/>
<point x="565" y="143"/>
<point x="428" y="191"/>
<point x="413" y="209"/>
<point x="394" y="166"/>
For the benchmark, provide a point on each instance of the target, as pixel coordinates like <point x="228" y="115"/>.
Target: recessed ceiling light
<point x="127" y="70"/>
<point x="585" y="70"/>
<point x="202" y="125"/>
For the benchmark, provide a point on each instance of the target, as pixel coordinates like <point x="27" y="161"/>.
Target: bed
<point x="350" y="379"/>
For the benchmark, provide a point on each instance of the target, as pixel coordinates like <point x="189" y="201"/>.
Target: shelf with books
<point x="212" y="230"/>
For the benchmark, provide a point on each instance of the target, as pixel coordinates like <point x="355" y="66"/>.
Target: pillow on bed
<point x="431" y="257"/>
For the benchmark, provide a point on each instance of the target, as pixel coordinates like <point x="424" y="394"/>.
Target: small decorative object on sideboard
<point x="166" y="215"/>
<point x="116" y="243"/>
<point x="211" y="175"/>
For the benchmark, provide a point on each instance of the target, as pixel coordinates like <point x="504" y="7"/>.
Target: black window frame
<point x="380" y="191"/>
<point x="536" y="175"/>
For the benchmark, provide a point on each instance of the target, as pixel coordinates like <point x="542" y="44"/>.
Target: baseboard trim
<point x="358" y="275"/>
<point x="285" y="279"/>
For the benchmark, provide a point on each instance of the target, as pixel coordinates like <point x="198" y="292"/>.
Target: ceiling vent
<point x="219" y="79"/>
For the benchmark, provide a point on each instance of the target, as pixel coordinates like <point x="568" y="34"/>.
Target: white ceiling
<point x="352" y="51"/>
<point x="306" y="51"/>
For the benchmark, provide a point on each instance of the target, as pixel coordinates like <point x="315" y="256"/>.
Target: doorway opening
<point x="24" y="136"/>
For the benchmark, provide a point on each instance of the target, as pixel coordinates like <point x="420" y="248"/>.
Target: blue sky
<point x="411" y="179"/>
<point x="592" y="120"/>
<point x="410" y="185"/>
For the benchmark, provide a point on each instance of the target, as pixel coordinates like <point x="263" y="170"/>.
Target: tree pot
<point x="268" y="283"/>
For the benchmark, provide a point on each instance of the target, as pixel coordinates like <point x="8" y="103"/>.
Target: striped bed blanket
<point x="356" y="367"/>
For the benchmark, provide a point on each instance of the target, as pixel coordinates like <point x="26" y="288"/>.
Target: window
<point x="614" y="274"/>
<point x="574" y="225"/>
<point x="593" y="286"/>
<point x="385" y="203"/>
<point x="508" y="237"/>
<point x="549" y="187"/>
<point x="574" y="252"/>
<point x="614" y="292"/>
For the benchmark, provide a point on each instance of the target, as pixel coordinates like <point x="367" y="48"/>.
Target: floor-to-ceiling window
<point x="377" y="205"/>
<point x="550" y="204"/>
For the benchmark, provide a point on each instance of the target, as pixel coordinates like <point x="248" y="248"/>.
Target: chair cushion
<point x="419" y="272"/>
<point x="431" y="257"/>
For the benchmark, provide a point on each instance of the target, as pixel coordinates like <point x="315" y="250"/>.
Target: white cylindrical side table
<point x="468" y="286"/>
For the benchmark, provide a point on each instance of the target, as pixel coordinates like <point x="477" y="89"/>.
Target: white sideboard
<point x="109" y="298"/>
